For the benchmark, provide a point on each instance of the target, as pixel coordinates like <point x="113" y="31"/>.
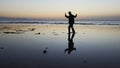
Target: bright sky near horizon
<point x="57" y="8"/>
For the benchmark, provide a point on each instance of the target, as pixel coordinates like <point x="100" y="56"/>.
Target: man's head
<point x="69" y="12"/>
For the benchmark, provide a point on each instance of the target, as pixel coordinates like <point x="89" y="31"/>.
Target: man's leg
<point x="69" y="29"/>
<point x="73" y="29"/>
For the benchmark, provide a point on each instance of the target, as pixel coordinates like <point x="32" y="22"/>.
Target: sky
<point x="55" y="9"/>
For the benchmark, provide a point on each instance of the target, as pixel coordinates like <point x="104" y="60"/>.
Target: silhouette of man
<point x="71" y="21"/>
<point x="70" y="43"/>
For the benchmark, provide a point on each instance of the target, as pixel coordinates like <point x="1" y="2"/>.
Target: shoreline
<point x="63" y="22"/>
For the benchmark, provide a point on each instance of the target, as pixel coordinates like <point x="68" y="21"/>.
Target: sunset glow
<point x="55" y="9"/>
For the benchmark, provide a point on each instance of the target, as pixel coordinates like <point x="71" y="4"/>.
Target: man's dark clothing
<point x="71" y="21"/>
<point x="71" y="18"/>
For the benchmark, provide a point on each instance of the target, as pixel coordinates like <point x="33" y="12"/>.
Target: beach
<point x="47" y="46"/>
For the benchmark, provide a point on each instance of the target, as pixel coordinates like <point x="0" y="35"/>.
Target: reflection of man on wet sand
<point x="70" y="43"/>
<point x="71" y="21"/>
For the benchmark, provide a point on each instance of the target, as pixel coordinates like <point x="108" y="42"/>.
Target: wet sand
<point x="48" y="46"/>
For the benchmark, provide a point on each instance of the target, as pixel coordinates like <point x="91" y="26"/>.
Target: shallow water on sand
<point x="48" y="46"/>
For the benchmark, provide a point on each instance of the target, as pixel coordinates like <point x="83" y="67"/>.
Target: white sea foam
<point x="63" y="22"/>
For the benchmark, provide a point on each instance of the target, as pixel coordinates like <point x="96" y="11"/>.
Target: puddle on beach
<point x="49" y="46"/>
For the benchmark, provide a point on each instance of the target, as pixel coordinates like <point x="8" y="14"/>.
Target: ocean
<point x="59" y="22"/>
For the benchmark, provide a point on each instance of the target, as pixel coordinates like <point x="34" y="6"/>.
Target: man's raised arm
<point x="75" y="16"/>
<point x="66" y="16"/>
